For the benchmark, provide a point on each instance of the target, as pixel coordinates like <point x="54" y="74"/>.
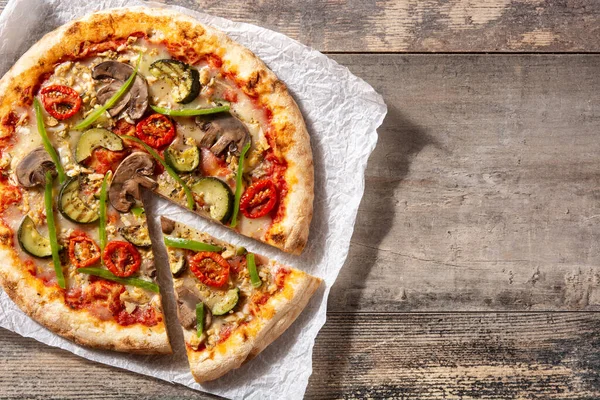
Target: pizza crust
<point x="46" y="306"/>
<point x="249" y="340"/>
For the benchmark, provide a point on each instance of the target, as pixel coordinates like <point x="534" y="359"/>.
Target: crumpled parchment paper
<point x="342" y="113"/>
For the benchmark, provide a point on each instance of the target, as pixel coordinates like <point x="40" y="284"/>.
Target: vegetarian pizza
<point x="231" y="303"/>
<point x="127" y="100"/>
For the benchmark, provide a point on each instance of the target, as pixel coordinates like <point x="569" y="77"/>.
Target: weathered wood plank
<point x="482" y="193"/>
<point x="382" y="355"/>
<point x="422" y="26"/>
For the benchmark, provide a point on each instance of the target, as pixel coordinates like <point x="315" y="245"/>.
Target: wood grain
<point x="482" y="193"/>
<point x="368" y="355"/>
<point x="422" y="26"/>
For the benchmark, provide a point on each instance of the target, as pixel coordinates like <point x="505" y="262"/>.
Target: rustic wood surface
<point x="472" y="271"/>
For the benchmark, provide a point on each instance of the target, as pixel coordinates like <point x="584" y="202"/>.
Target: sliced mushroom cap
<point x="31" y="170"/>
<point x="106" y="91"/>
<point x="133" y="172"/>
<point x="117" y="73"/>
<point x="223" y="131"/>
<point x="186" y="310"/>
<point x="167" y="225"/>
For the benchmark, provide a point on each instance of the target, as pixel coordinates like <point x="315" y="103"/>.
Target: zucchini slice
<point x="136" y="234"/>
<point x="217" y="197"/>
<point x="73" y="207"/>
<point x="178" y="266"/>
<point x="94" y="138"/>
<point x="185" y="160"/>
<point x="31" y="241"/>
<point x="227" y="302"/>
<point x="184" y="79"/>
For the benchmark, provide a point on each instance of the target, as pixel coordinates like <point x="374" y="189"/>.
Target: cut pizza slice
<point x="231" y="304"/>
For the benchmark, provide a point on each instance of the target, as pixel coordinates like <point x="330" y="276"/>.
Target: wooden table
<point x="474" y="266"/>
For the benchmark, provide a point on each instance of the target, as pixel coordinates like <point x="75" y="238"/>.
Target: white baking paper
<point x="342" y="113"/>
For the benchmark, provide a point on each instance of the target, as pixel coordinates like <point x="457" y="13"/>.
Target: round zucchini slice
<point x="94" y="138"/>
<point x="137" y="235"/>
<point x="226" y="303"/>
<point x="217" y="196"/>
<point x="31" y="241"/>
<point x="184" y="79"/>
<point x="178" y="265"/>
<point x="185" y="160"/>
<point x="73" y="207"/>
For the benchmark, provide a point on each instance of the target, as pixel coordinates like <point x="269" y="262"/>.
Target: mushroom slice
<point x="107" y="91"/>
<point x="117" y="73"/>
<point x="221" y="132"/>
<point x="186" y="310"/>
<point x="133" y="172"/>
<point x="31" y="170"/>
<point x="167" y="225"/>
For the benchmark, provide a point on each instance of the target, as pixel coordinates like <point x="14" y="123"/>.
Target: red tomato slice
<point x="121" y="258"/>
<point x="60" y="101"/>
<point x="83" y="251"/>
<point x="210" y="268"/>
<point x="259" y="199"/>
<point x="156" y="131"/>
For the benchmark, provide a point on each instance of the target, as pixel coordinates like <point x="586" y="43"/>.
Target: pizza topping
<point x="157" y="131"/>
<point x="184" y="79"/>
<point x="83" y="251"/>
<point x="75" y="205"/>
<point x="93" y="139"/>
<point x="137" y="282"/>
<point x="60" y="101"/>
<point x="239" y="185"/>
<point x="48" y="203"/>
<point x="46" y="141"/>
<point x="115" y="74"/>
<point x="121" y="258"/>
<point x="259" y="199"/>
<point x="189" y="244"/>
<point x="227" y="302"/>
<point x="178" y="265"/>
<point x="251" y="263"/>
<point x="93" y="116"/>
<point x="133" y="173"/>
<point x="188" y="193"/>
<point x="191" y="112"/>
<point x="186" y="307"/>
<point x="31" y="241"/>
<point x="102" y="211"/>
<point x="31" y="170"/>
<point x="215" y="197"/>
<point x="199" y="319"/>
<point x="182" y="159"/>
<point x="210" y="268"/>
<point x="223" y="132"/>
<point x="167" y="226"/>
<point x="137" y="235"/>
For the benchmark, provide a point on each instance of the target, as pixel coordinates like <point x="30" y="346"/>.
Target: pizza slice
<point x="231" y="304"/>
<point x="81" y="268"/>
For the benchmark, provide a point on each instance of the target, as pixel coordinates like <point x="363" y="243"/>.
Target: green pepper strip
<point x="251" y="264"/>
<point x="199" y="319"/>
<point x="238" y="185"/>
<point x="190" y="244"/>
<point x="47" y="145"/>
<point x="188" y="192"/>
<point x="111" y="102"/>
<point x="189" y="112"/>
<point x="52" y="231"/>
<point x="137" y="211"/>
<point x="102" y="222"/>
<point x="106" y="274"/>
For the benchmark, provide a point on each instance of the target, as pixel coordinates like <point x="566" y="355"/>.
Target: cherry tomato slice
<point x="60" y="101"/>
<point x="121" y="258"/>
<point x="210" y="268"/>
<point x="83" y="251"/>
<point x="157" y="131"/>
<point x="259" y="199"/>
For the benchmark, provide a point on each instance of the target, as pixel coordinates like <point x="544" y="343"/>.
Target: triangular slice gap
<point x="231" y="304"/>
